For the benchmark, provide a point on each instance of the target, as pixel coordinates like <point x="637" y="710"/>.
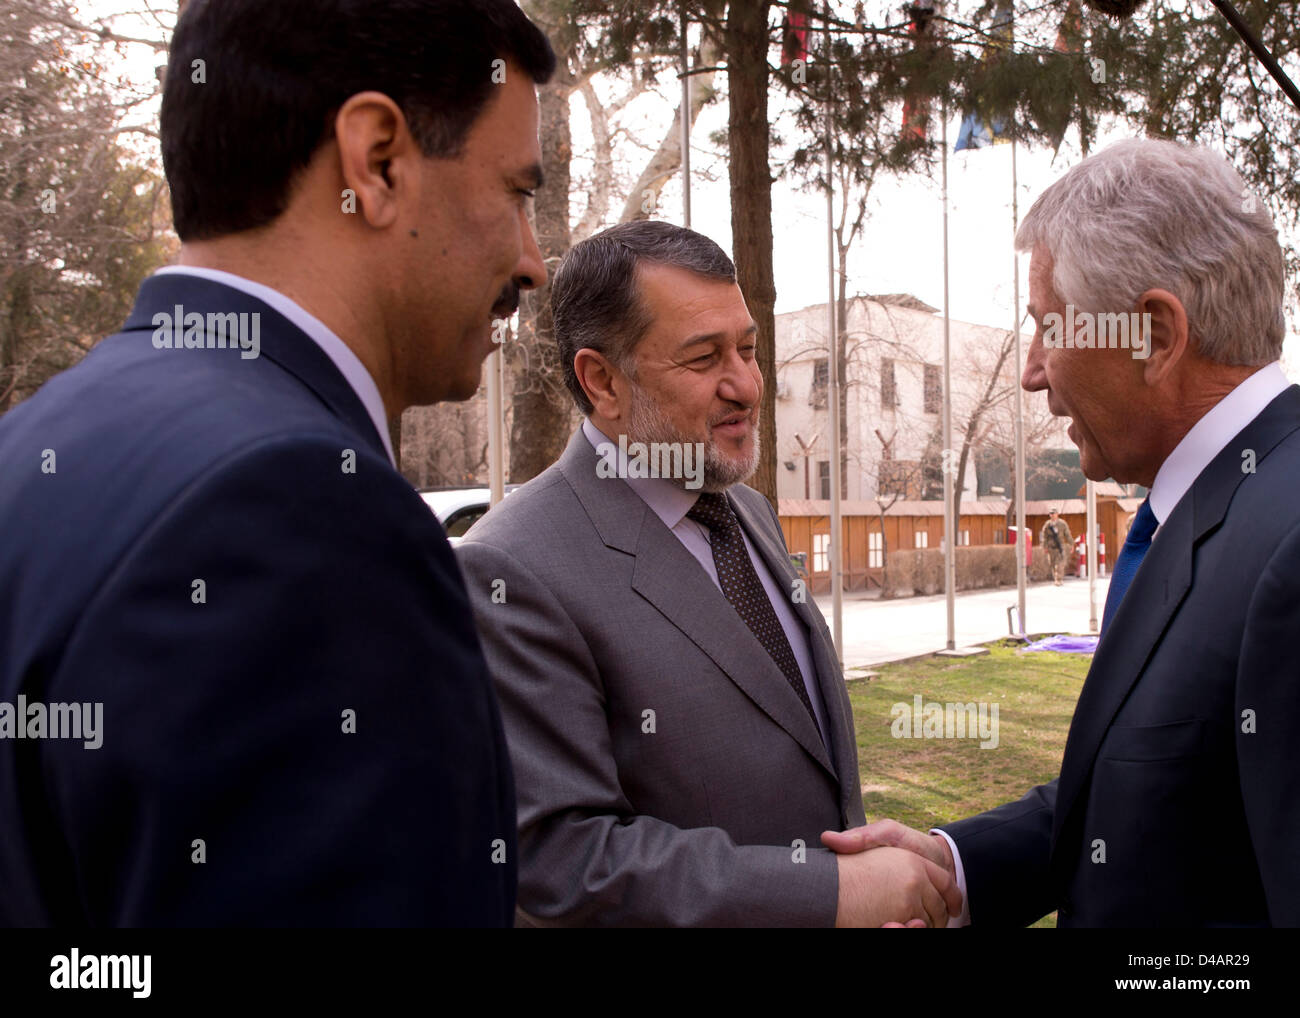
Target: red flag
<point x="794" y="37"/>
<point x="1069" y="30"/>
<point x="916" y="111"/>
<point x="1068" y="40"/>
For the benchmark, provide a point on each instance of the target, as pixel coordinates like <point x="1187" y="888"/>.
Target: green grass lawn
<point x="927" y="782"/>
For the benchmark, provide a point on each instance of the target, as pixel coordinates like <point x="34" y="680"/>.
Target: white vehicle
<point x="458" y="509"/>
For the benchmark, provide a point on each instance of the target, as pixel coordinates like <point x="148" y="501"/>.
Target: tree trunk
<point x="751" y="205"/>
<point x="11" y="331"/>
<point x="541" y="410"/>
<point x="842" y="361"/>
<point x="667" y="160"/>
<point x="986" y="401"/>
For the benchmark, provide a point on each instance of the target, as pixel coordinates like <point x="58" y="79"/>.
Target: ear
<point x="376" y="155"/>
<point x="603" y="383"/>
<point x="1169" y="340"/>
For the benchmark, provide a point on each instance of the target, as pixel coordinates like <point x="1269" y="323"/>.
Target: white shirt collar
<point x="669" y="501"/>
<point x="1210" y="436"/>
<point x="348" y="363"/>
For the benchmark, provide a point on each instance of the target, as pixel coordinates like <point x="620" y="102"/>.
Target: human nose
<point x="741" y="382"/>
<point x="530" y="273"/>
<point x="1034" y="377"/>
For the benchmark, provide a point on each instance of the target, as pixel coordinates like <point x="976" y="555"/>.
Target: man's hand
<point x="892" y="834"/>
<point x="893" y="885"/>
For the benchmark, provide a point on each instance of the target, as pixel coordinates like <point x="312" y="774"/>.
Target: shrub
<point x="915" y="571"/>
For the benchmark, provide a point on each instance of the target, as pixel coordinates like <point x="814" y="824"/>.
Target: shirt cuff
<point x="964" y="918"/>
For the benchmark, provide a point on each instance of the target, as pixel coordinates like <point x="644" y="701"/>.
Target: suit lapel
<point x="280" y="341"/>
<point x="829" y="676"/>
<point x="1161" y="584"/>
<point x="774" y="555"/>
<point x="671" y="580"/>
<point x="1152" y="598"/>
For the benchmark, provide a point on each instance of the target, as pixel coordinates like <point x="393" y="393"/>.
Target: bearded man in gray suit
<point x="676" y="716"/>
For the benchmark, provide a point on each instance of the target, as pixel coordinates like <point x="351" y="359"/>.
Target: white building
<point x="894" y="401"/>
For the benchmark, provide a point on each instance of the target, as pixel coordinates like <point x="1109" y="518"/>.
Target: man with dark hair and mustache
<point x="674" y="709"/>
<point x="298" y="724"/>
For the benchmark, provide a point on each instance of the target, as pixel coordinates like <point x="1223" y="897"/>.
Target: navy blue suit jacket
<point x="1178" y="802"/>
<point x="226" y="712"/>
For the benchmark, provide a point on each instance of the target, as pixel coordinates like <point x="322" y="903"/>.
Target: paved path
<point x="877" y="631"/>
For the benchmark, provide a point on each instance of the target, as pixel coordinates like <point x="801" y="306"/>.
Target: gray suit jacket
<point x="666" y="772"/>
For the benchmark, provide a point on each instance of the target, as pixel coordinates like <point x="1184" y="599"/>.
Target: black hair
<point x="595" y="301"/>
<point x="238" y="127"/>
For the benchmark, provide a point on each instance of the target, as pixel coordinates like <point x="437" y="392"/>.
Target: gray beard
<point x="648" y="423"/>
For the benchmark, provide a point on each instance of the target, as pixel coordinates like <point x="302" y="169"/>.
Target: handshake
<point x="894" y="876"/>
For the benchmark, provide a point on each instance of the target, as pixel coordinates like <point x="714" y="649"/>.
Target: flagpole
<point x="1022" y="537"/>
<point x="949" y="553"/>
<point x="837" y="578"/>
<point x="686" y="126"/>
<point x="496" y="427"/>
<point x="1090" y="542"/>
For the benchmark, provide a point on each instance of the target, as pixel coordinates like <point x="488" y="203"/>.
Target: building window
<point x="888" y="386"/>
<point x="933" y="390"/>
<point x="963" y="537"/>
<point x="824" y="478"/>
<point x="922" y="539"/>
<point x="820" y="380"/>
<point x="898" y="477"/>
<point x="821" y="553"/>
<point x="875" y="550"/>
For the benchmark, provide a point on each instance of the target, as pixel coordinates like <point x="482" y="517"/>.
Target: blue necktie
<point x="1130" y="557"/>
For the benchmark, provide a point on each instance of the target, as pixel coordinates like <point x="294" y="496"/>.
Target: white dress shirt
<point x="671" y="502"/>
<point x="1205" y="440"/>
<point x="348" y="363"/>
<point x="1210" y="436"/>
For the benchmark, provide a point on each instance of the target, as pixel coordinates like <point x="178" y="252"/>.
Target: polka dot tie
<point x="742" y="587"/>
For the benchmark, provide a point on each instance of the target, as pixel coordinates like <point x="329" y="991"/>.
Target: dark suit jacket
<point x="593" y="613"/>
<point x="223" y="720"/>
<point x="1182" y="767"/>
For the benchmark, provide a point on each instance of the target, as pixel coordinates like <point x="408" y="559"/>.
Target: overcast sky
<point x="902" y="247"/>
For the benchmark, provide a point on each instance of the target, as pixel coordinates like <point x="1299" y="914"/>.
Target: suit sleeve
<point x="1006" y="854"/>
<point x="1268" y="752"/>
<point x="298" y="724"/>
<point x="587" y="858"/>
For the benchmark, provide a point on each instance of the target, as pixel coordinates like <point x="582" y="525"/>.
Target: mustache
<point x="508" y="303"/>
<point x="737" y="408"/>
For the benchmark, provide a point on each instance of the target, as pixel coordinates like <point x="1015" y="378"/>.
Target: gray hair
<point x="595" y="300"/>
<point x="1146" y="213"/>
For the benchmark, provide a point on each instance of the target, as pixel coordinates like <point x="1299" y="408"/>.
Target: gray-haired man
<point x="1178" y="802"/>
